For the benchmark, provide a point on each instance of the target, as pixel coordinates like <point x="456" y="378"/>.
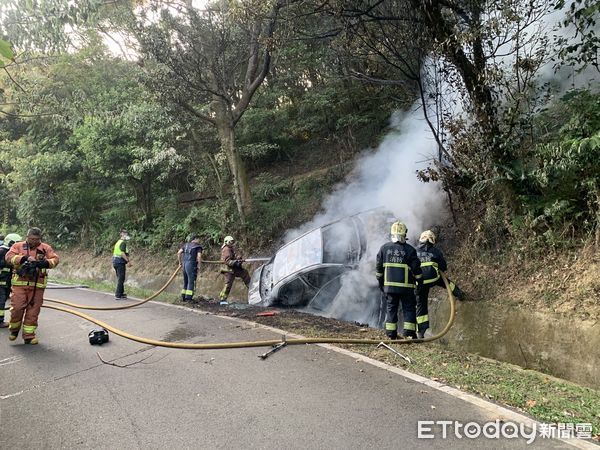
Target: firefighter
<point x="31" y="260"/>
<point x="190" y="256"/>
<point x="397" y="271"/>
<point x="5" y="272"/>
<point x="432" y="263"/>
<point x="231" y="268"/>
<point x="120" y="261"/>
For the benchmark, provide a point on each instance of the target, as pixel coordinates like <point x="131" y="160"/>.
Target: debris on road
<point x="274" y="348"/>
<point x="393" y="350"/>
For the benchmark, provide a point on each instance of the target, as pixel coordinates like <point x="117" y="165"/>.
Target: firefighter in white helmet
<point x="432" y="263"/>
<point x="398" y="270"/>
<point x="231" y="268"/>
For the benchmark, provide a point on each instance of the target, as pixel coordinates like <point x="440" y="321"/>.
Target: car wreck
<point x="328" y="271"/>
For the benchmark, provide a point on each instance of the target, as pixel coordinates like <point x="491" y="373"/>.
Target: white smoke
<point x="563" y="78"/>
<point x="387" y="177"/>
<point x="384" y="177"/>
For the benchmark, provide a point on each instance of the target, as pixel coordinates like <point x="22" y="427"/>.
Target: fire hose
<point x="113" y="308"/>
<point x="267" y="343"/>
<point x="153" y="296"/>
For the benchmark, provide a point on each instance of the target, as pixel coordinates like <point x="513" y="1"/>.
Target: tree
<point x="101" y="146"/>
<point x="210" y="61"/>
<point x="582" y="47"/>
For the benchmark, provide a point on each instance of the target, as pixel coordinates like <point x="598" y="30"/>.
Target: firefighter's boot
<point x="14" y="328"/>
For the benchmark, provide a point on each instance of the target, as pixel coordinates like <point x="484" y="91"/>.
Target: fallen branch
<point x="124" y="365"/>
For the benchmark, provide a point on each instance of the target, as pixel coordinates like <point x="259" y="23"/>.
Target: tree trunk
<point x="597" y="237"/>
<point x="241" y="188"/>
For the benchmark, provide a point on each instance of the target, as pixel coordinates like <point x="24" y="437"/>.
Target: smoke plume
<point x="387" y="177"/>
<point x="384" y="177"/>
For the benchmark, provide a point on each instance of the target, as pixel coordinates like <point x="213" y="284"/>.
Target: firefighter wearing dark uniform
<point x="397" y="272"/>
<point x="190" y="255"/>
<point x="432" y="263"/>
<point x="231" y="268"/>
<point x="5" y="273"/>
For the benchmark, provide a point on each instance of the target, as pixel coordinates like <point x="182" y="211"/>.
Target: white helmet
<point x="427" y="236"/>
<point x="229" y="240"/>
<point x="11" y="238"/>
<point x="398" y="232"/>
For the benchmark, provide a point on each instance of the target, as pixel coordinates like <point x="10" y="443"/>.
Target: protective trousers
<point x="120" y="270"/>
<point x="408" y="302"/>
<point x="190" y="273"/>
<point x="230" y="277"/>
<point x="422" y="309"/>
<point x="26" y="302"/>
<point x="423" y="300"/>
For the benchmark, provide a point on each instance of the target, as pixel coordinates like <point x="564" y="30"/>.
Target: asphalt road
<point x="59" y="394"/>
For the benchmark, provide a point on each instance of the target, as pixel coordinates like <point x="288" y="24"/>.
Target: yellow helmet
<point x="427" y="236"/>
<point x="398" y="232"/>
<point x="229" y="240"/>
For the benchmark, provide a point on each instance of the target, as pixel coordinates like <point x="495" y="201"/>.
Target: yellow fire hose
<point x="215" y="346"/>
<point x="112" y="308"/>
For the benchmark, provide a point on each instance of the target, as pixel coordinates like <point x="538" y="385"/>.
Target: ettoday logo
<point x="442" y="429"/>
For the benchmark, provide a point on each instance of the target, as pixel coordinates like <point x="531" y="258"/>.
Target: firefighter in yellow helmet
<point x="432" y="263"/>
<point x="231" y="268"/>
<point x="398" y="270"/>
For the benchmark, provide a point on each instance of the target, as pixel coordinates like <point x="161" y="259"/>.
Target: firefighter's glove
<point x="380" y="281"/>
<point x="237" y="264"/>
<point x="23" y="259"/>
<point x="28" y="269"/>
<point x="43" y="264"/>
<point x="419" y="284"/>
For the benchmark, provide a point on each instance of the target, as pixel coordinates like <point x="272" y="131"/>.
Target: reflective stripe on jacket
<point x="432" y="262"/>
<point x="5" y="268"/>
<point x="399" y="266"/>
<point x="42" y="251"/>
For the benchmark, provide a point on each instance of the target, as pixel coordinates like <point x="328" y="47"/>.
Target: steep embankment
<point x="564" y="283"/>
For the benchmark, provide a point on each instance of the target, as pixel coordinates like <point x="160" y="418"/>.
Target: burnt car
<point x="329" y="270"/>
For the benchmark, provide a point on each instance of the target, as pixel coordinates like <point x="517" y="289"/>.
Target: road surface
<point x="59" y="394"/>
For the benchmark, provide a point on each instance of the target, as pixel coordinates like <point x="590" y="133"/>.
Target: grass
<point x="105" y="286"/>
<point x="547" y="399"/>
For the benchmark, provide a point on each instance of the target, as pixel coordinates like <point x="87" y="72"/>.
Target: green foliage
<point x="89" y="145"/>
<point x="269" y="187"/>
<point x="284" y="203"/>
<point x="579" y="48"/>
<point x="6" y="51"/>
<point x="559" y="187"/>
